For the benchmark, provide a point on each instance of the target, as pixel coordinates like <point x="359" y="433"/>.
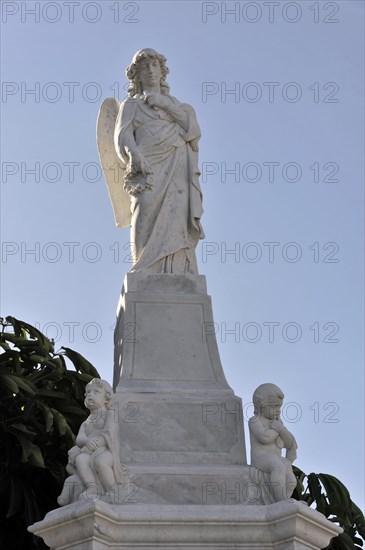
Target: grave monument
<point x="164" y="464"/>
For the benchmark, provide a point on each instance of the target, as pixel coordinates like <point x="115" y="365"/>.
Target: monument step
<point x="102" y="526"/>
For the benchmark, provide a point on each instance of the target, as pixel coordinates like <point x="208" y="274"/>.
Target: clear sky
<point x="278" y="91"/>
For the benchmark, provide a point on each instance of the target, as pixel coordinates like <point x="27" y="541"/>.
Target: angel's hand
<point x="156" y="100"/>
<point x="139" y="164"/>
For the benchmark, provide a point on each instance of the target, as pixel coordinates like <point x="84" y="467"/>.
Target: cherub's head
<point x="133" y="70"/>
<point x="98" y="394"/>
<point x="267" y="400"/>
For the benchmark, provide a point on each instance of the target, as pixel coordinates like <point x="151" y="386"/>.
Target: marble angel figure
<point x="148" y="147"/>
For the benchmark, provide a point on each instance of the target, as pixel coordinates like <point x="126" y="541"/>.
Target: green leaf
<point x="25" y="444"/>
<point x="57" y="470"/>
<point x="34" y="333"/>
<point x="24" y="384"/>
<point x="74" y="411"/>
<point x="359" y="519"/>
<point x="37" y="359"/>
<point x="14" y="339"/>
<point x="51" y="394"/>
<point x="13" y="362"/>
<point x="316" y="492"/>
<point x="16" y="325"/>
<point x="16" y="496"/>
<point x="7" y="381"/>
<point x="39" y="374"/>
<point x="78" y="385"/>
<point x="7" y="357"/>
<point x="80" y="363"/>
<point x="31" y="510"/>
<point x="338" y="498"/>
<point x="36" y="457"/>
<point x="23" y="429"/>
<point x="85" y="378"/>
<point x="57" y="363"/>
<point x="343" y="542"/>
<point x="5" y="346"/>
<point x="298" y="472"/>
<point x="300" y="487"/>
<point x="335" y="489"/>
<point x="60" y="421"/>
<point x="48" y="416"/>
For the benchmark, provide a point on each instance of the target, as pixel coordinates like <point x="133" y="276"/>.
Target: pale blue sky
<point x="319" y="57"/>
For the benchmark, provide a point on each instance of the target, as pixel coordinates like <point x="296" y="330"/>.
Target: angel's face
<point x="149" y="73"/>
<point x="95" y="397"/>
<point x="271" y="408"/>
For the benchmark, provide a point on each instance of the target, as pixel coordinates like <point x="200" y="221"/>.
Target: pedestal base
<point x="101" y="526"/>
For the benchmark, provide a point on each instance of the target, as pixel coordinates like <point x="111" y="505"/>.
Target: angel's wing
<point x="113" y="167"/>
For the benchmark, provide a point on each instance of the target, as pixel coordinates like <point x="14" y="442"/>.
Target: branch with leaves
<point x="41" y="409"/>
<point x="332" y="499"/>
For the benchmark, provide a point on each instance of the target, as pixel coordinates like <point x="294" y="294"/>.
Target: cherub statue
<point x="148" y="147"/>
<point x="268" y="436"/>
<point x="94" y="461"/>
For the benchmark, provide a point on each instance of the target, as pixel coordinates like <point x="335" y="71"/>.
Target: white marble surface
<point x="164" y="336"/>
<point x="268" y="438"/>
<point x="102" y="526"/>
<point x="176" y="410"/>
<point x="156" y="429"/>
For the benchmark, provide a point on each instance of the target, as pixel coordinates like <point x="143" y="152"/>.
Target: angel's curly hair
<point x="132" y="71"/>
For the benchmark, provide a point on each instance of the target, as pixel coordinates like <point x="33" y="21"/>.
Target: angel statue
<point x="148" y="147"/>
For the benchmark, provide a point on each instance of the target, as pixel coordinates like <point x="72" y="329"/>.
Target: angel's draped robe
<point x="165" y="221"/>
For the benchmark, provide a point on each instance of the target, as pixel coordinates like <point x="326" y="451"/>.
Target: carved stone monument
<point x="187" y="484"/>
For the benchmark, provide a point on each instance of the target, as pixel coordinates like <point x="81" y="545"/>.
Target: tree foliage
<point x="41" y="409"/>
<point x="332" y="499"/>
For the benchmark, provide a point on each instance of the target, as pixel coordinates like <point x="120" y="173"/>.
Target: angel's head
<point x="98" y="394"/>
<point x="267" y="400"/>
<point x="147" y="63"/>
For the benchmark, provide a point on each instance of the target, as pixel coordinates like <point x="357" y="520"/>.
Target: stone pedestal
<point x="101" y="526"/>
<point x="164" y="337"/>
<point x="182" y="441"/>
<point x="181" y="425"/>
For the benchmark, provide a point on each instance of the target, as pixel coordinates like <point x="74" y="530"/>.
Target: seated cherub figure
<point x="268" y="436"/>
<point x="94" y="462"/>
